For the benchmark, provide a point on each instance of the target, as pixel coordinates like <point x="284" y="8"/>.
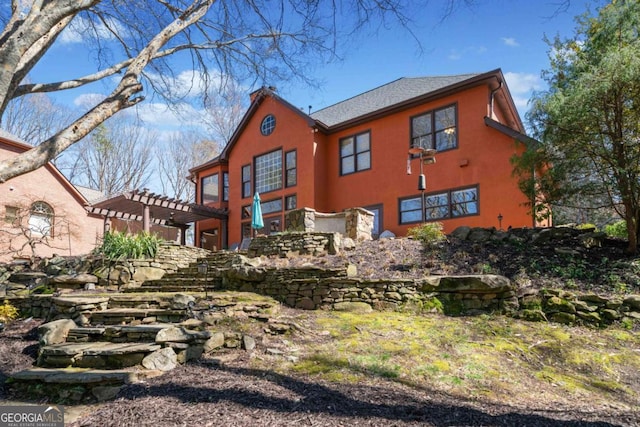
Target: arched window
<point x="41" y="219"/>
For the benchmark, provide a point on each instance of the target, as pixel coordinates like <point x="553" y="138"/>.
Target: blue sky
<point x="490" y="34"/>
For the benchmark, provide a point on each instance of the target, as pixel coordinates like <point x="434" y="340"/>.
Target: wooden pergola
<point x="146" y="207"/>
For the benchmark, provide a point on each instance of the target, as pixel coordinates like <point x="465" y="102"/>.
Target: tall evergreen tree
<point x="588" y="121"/>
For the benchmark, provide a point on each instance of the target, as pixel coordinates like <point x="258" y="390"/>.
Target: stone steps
<point x="74" y="384"/>
<point x="144" y="330"/>
<point x="96" y="355"/>
<point x="180" y="284"/>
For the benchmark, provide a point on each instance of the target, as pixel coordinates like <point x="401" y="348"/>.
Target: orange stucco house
<point x="356" y="154"/>
<point x="44" y="208"/>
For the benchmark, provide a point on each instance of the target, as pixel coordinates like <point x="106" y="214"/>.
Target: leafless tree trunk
<point x="255" y="40"/>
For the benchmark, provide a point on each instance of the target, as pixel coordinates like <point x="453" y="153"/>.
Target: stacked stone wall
<point x="296" y="243"/>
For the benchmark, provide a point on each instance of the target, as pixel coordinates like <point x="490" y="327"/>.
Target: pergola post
<point x="146" y="219"/>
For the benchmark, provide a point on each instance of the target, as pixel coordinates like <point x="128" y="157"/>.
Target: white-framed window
<point x="41" y="219"/>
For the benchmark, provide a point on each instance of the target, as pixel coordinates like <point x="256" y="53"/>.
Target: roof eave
<point x="412" y="102"/>
<point x="515" y="134"/>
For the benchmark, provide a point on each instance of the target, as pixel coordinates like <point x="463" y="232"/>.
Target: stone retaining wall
<point x="296" y="243"/>
<point x="77" y="273"/>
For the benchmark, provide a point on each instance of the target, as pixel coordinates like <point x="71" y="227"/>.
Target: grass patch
<point x="493" y="357"/>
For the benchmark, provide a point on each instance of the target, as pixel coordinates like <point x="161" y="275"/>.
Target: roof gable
<point x="258" y="97"/>
<point x="13" y="143"/>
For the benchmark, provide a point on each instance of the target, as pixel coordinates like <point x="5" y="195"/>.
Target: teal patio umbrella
<point x="256" y="213"/>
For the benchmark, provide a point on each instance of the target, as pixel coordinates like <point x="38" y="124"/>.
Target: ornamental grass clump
<point x="117" y="245"/>
<point x="8" y="312"/>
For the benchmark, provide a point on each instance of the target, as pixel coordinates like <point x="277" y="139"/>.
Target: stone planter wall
<point x="354" y="223"/>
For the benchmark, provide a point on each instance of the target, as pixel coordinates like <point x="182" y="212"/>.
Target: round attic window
<point x="268" y="125"/>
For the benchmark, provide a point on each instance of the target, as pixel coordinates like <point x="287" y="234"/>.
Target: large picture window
<point x="355" y="153"/>
<point x="246" y="181"/>
<point x="435" y="129"/>
<point x="268" y="170"/>
<point x="210" y="189"/>
<point x="442" y="205"/>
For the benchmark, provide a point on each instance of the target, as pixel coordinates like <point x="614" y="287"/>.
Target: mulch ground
<point x="225" y="392"/>
<point x="211" y="394"/>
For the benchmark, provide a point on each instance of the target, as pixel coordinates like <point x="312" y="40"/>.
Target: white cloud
<point x="521" y="86"/>
<point x="510" y="41"/>
<point x="78" y="30"/>
<point x="522" y="83"/>
<point x="88" y="100"/>
<point x="160" y="116"/>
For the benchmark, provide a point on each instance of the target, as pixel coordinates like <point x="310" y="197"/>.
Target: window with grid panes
<point x="268" y="170"/>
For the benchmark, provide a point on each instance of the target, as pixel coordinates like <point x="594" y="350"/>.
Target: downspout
<point x="491" y="97"/>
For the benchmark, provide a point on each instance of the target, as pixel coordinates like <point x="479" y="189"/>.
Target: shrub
<point x="429" y="233"/>
<point x="617" y="229"/>
<point x="117" y="245"/>
<point x="8" y="312"/>
<point x="587" y="226"/>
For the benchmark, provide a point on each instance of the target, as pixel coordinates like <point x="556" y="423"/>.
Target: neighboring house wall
<point x="476" y="171"/>
<point x="73" y="231"/>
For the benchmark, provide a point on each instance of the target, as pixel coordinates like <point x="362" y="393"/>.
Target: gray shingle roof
<point x="92" y="196"/>
<point x="390" y="94"/>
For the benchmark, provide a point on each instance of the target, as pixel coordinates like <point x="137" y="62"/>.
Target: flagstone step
<point x="75" y="384"/>
<point x="169" y="288"/>
<point x="117" y="334"/>
<point x="122" y="316"/>
<point x="141" y="300"/>
<point x="101" y="355"/>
